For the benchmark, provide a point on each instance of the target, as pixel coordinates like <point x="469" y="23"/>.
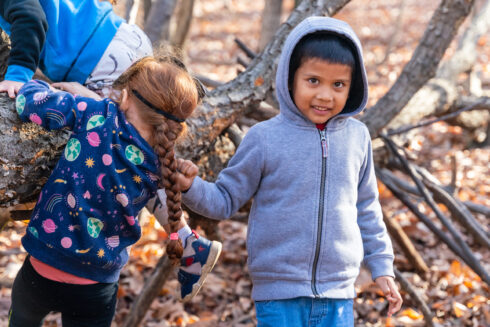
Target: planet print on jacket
<point x="134" y="154"/>
<point x="72" y="149"/>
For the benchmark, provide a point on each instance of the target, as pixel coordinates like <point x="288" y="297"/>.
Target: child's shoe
<point x="199" y="257"/>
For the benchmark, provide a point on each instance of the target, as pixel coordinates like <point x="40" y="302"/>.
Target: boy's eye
<point x="339" y="84"/>
<point x="312" y="80"/>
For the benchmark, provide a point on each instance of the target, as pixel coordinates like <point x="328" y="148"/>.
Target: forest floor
<point x="454" y="293"/>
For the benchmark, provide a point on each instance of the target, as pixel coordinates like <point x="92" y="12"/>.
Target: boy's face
<point x="321" y="89"/>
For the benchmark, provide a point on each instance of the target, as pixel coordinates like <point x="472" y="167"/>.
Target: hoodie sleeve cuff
<point x="193" y="194"/>
<point x="18" y="73"/>
<point x="381" y="267"/>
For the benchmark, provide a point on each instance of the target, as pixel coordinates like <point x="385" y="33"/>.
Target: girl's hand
<point x="11" y="87"/>
<point x="390" y="290"/>
<point x="187" y="171"/>
<point x="76" y="88"/>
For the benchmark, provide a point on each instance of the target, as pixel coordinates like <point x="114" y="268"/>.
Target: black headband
<point x="156" y="109"/>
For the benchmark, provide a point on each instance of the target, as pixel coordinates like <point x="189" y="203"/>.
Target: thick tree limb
<point x="423" y="64"/>
<point x="440" y="94"/>
<point x="157" y="26"/>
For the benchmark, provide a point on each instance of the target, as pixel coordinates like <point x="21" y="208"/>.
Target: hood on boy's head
<point x="359" y="87"/>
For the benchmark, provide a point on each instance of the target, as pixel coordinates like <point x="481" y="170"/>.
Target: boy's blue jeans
<point x="305" y="312"/>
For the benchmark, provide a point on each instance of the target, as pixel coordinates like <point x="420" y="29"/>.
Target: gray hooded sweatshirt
<point x="315" y="214"/>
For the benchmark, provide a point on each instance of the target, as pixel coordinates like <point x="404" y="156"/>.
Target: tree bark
<point x="157" y="26"/>
<point x="4" y="53"/>
<point x="181" y="23"/>
<point x="271" y="20"/>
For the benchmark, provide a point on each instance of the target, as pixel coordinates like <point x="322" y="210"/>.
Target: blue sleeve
<point x="28" y="27"/>
<point x="36" y="102"/>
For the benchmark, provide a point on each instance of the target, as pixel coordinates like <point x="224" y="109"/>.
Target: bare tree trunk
<point x="181" y="23"/>
<point x="271" y="19"/>
<point x="157" y="26"/>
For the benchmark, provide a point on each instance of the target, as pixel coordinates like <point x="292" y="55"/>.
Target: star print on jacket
<point x="86" y="214"/>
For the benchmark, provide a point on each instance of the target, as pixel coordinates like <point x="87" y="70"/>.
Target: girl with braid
<point x="118" y="155"/>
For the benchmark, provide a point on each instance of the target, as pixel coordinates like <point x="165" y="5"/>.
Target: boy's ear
<point x="124" y="102"/>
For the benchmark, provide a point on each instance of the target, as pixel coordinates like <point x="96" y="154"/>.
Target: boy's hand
<point x="390" y="290"/>
<point x="76" y="88"/>
<point x="11" y="87"/>
<point x="187" y="172"/>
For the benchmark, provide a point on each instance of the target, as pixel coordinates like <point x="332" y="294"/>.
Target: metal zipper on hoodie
<point x="323" y="139"/>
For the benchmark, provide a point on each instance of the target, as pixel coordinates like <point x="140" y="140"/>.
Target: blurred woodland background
<point x="428" y="114"/>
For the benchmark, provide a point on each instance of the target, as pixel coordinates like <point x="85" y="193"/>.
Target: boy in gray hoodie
<point x="315" y="215"/>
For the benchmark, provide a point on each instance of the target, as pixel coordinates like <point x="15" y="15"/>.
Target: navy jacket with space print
<point x="86" y="215"/>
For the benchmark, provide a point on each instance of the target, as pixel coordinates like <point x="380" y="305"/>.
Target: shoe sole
<point x="214" y="254"/>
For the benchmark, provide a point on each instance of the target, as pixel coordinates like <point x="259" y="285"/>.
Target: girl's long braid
<point x="165" y="136"/>
<point x="165" y="83"/>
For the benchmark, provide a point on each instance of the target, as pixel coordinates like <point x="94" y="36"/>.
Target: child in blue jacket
<point x="80" y="41"/>
<point x="86" y="218"/>
<point x="315" y="215"/>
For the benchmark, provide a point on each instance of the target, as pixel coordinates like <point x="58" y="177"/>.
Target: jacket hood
<point x="359" y="90"/>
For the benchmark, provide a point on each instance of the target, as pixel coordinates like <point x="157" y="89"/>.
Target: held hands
<point x="390" y="290"/>
<point x="187" y="171"/>
<point x="11" y="87"/>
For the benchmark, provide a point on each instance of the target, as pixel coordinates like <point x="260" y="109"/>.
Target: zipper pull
<point x="324" y="143"/>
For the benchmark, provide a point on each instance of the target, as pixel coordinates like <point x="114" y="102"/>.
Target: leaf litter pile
<point x="454" y="293"/>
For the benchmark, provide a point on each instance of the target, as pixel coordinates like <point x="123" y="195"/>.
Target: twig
<point x="468" y="255"/>
<point x="405" y="186"/>
<point x="459" y="211"/>
<point x="478" y="208"/>
<point x="150" y="290"/>
<point x="405" y="129"/>
<point x="235" y="134"/>
<point x="245" y="49"/>
<point x="399" y="235"/>
<point x="208" y="81"/>
<point x="415" y="296"/>
<point x="242" y="62"/>
<point x="402" y="196"/>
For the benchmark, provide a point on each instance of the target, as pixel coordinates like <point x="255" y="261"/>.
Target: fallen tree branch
<point x="416" y="297"/>
<point x="464" y="248"/>
<point x="432" y="121"/>
<point x="401" y="238"/>
<point x="478" y="208"/>
<point x="422" y="66"/>
<point x="459" y="212"/>
<point x="245" y="49"/>
<point x="151" y="289"/>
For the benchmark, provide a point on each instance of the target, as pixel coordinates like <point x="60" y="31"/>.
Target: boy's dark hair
<point x="335" y="49"/>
